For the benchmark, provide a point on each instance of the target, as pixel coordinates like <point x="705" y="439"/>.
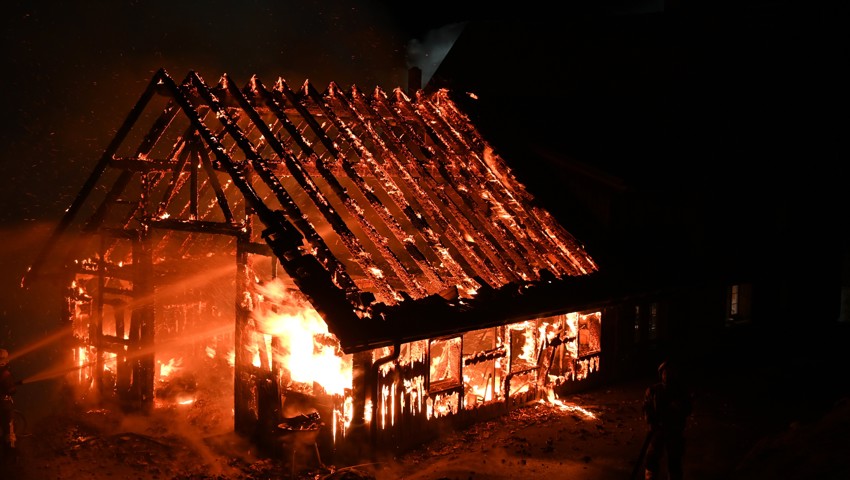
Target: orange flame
<point x="552" y="399"/>
<point x="307" y="349"/>
<point x="166" y="369"/>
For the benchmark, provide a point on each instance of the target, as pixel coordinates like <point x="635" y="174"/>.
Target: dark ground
<point x="781" y="412"/>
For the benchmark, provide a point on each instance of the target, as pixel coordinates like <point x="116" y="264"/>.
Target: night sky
<point x="749" y="97"/>
<point x="728" y="83"/>
<point x="74" y="70"/>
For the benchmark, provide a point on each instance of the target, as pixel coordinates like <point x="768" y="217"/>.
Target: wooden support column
<point x="96" y="323"/>
<point x="195" y="164"/>
<point x="142" y="323"/>
<point x="245" y="421"/>
<point x="361" y="386"/>
<point x="124" y="365"/>
<point x="68" y="314"/>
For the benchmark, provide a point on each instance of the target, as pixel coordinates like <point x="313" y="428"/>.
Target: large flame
<point x="307" y="349"/>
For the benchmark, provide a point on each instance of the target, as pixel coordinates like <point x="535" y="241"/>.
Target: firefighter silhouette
<point x="667" y="406"/>
<point x="8" y="387"/>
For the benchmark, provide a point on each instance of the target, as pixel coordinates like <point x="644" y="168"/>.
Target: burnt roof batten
<point x="505" y="196"/>
<point x="421" y="225"/>
<point x="276" y="100"/>
<point x="155" y="133"/>
<point x="383" y="212"/>
<point x="477" y="171"/>
<point x="297" y="171"/>
<point x="457" y="178"/>
<point x="450" y="217"/>
<point x="235" y="170"/>
<point x="173" y="184"/>
<point x="437" y="176"/>
<point x="562" y="240"/>
<point x="220" y="196"/>
<point x="387" y="255"/>
<point x="422" y="193"/>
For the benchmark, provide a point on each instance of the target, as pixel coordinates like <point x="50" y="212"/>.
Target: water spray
<point x="41" y="342"/>
<point x="57" y="372"/>
<point x="53" y="373"/>
<point x="199" y="279"/>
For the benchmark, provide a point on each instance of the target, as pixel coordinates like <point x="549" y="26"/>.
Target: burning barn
<point x="357" y="267"/>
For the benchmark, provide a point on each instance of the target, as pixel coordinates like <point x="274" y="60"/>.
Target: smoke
<point x="428" y="53"/>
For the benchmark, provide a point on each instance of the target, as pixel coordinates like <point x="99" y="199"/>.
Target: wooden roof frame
<point x="466" y="224"/>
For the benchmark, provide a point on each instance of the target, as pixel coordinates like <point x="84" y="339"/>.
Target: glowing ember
<point x="166" y="369"/>
<point x="229" y="356"/>
<point x="368" y="411"/>
<point x="551" y="399"/>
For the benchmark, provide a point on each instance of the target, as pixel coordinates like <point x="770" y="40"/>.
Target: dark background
<point x="737" y="108"/>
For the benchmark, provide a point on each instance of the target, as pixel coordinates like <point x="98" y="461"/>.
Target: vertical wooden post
<point x="68" y="314"/>
<point x="96" y="323"/>
<point x="245" y="421"/>
<point x="195" y="164"/>
<point x="123" y="367"/>
<point x="148" y="324"/>
<point x="142" y="331"/>
<point x="361" y="385"/>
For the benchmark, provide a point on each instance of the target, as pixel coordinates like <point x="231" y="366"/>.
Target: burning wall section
<point x="297" y="368"/>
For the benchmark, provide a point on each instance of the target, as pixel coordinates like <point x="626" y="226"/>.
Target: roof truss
<point x="371" y="203"/>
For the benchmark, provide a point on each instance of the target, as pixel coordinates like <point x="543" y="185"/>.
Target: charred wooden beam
<point x="433" y="316"/>
<point x="120" y="233"/>
<point x="220" y="197"/>
<point x="490" y="266"/>
<point x="410" y="204"/>
<point x="280" y="95"/>
<point x="342" y="125"/>
<point x="117" y="291"/>
<point x="439" y="230"/>
<point x="258" y="248"/>
<point x="112" y="343"/>
<point x="450" y="167"/>
<point x="479" y="357"/>
<point x="197" y="226"/>
<point x="142" y="328"/>
<point x="109" y="270"/>
<point x="176" y="173"/>
<point x="299" y="173"/>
